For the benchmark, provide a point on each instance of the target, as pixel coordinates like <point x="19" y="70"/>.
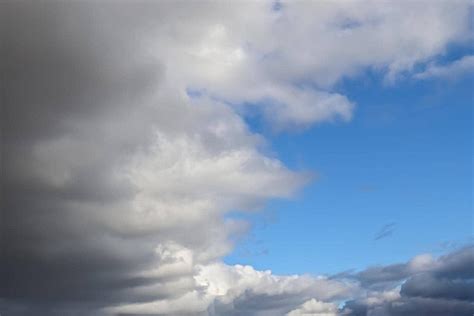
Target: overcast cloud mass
<point x="124" y="146"/>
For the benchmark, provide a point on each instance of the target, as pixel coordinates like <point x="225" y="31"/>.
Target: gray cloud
<point x="426" y="285"/>
<point x="412" y="306"/>
<point x="458" y="264"/>
<point x="444" y="286"/>
<point x="386" y="231"/>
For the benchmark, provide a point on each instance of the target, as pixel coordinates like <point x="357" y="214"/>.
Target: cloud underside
<point x="117" y="179"/>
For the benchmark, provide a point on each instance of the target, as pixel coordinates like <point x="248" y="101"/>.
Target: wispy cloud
<point x="452" y="70"/>
<point x="386" y="231"/>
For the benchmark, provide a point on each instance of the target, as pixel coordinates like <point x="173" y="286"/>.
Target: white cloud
<point x="291" y="58"/>
<point x="450" y="71"/>
<point x="243" y="290"/>
<point x="315" y="308"/>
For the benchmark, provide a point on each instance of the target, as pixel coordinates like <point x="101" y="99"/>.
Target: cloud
<point x="241" y="290"/>
<point x="315" y="308"/>
<point x="452" y="70"/>
<point x="386" y="231"/>
<point x="289" y="60"/>
<point x="442" y="286"/>
<point x="116" y="182"/>
<point x="426" y="285"/>
<point x="454" y="265"/>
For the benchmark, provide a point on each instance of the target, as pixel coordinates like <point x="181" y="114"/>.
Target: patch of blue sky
<point x="405" y="158"/>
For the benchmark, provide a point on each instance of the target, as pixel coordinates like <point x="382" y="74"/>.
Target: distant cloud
<point x="423" y="286"/>
<point x="315" y="308"/>
<point x="386" y="231"/>
<point x="452" y="70"/>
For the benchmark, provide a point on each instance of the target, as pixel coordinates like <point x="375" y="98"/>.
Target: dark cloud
<point x="61" y="69"/>
<point x="457" y="264"/>
<point x="411" y="306"/>
<point x="83" y="104"/>
<point x="67" y="125"/>
<point x="441" y="287"/>
<point x="426" y="285"/>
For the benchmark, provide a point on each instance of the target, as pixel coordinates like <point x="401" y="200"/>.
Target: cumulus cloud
<point x="242" y="290"/>
<point x="119" y="178"/>
<point x="315" y="308"/>
<point x="116" y="181"/>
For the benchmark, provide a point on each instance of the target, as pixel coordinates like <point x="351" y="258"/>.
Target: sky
<point x="213" y="158"/>
<point x="397" y="167"/>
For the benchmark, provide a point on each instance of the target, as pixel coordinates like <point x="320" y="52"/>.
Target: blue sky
<point x="404" y="160"/>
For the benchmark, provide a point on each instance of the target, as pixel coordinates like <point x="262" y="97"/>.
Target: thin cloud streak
<point x="386" y="231"/>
